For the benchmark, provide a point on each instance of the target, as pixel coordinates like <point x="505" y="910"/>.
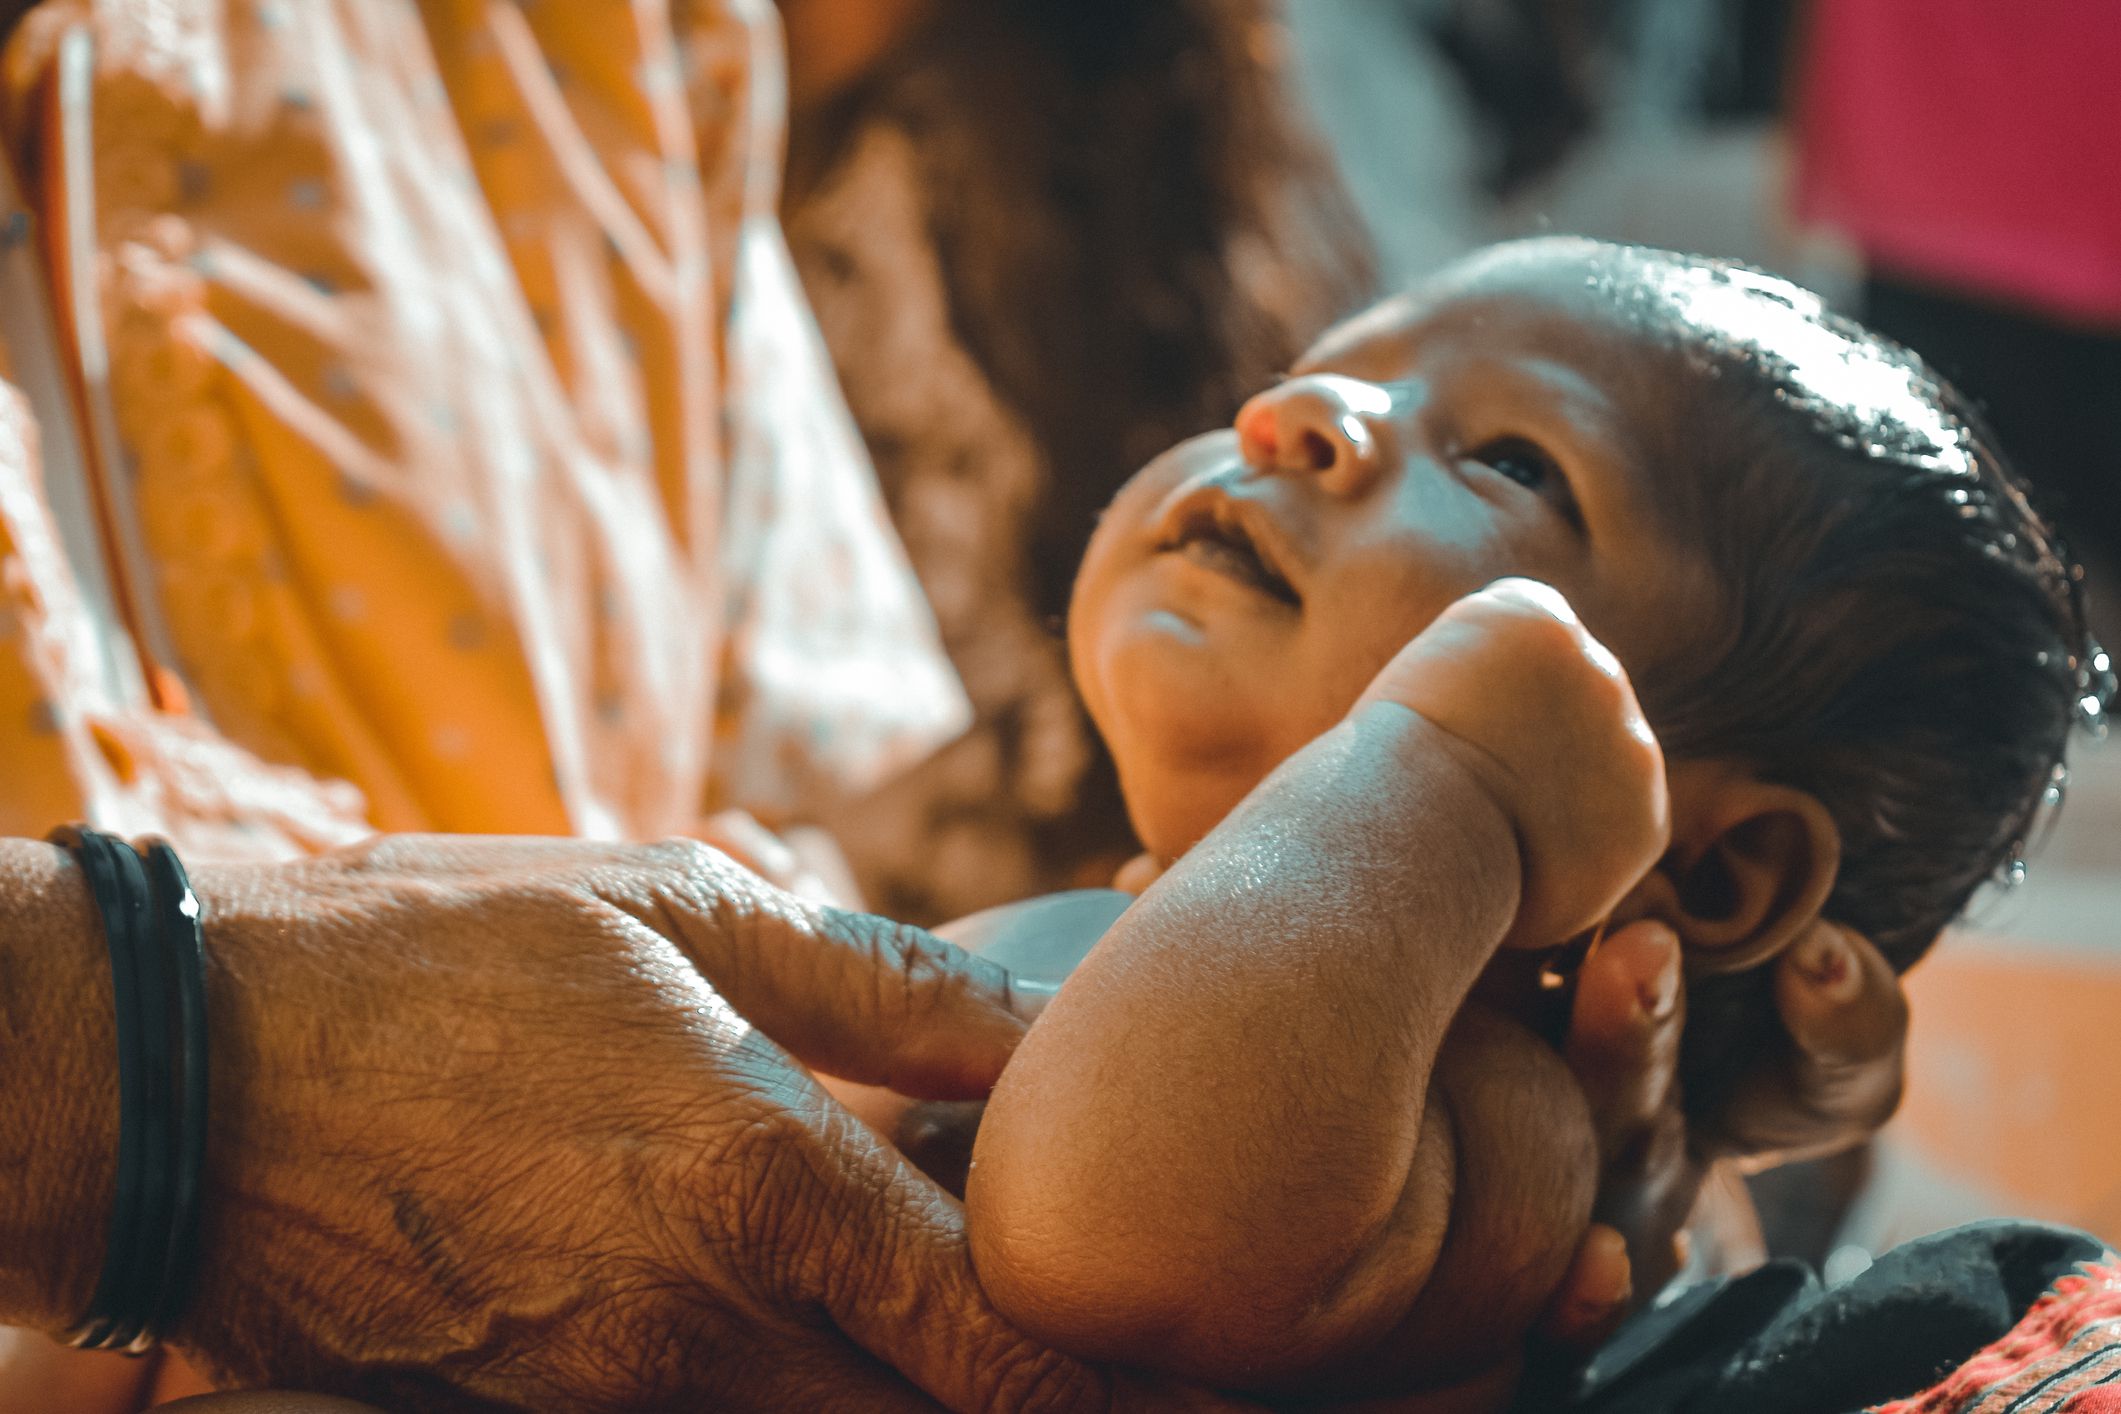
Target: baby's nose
<point x="1325" y="425"/>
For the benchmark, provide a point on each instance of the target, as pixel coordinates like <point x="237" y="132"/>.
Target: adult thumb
<point x="848" y="994"/>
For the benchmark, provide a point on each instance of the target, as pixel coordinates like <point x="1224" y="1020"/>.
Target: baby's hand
<point x="1558" y="738"/>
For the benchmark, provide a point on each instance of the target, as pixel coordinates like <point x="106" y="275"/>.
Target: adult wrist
<point x="151" y="930"/>
<point x="58" y="1087"/>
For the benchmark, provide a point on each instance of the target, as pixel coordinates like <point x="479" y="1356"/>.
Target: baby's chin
<point x="1188" y="748"/>
<point x="1173" y="807"/>
<point x="1193" y="699"/>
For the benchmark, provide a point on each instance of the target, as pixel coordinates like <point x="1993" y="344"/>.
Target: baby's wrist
<point x="1463" y="783"/>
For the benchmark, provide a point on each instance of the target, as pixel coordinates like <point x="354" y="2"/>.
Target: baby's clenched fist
<point x="1556" y="736"/>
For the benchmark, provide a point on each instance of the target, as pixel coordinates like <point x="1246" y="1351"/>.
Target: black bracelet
<point x="184" y="935"/>
<point x="151" y="924"/>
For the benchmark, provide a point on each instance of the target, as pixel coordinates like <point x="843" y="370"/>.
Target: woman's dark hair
<point x="1131" y="230"/>
<point x="1138" y="231"/>
<point x="1902" y="635"/>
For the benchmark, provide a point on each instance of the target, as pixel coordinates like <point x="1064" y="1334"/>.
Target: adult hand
<point x="484" y="1137"/>
<point x="1831" y="1081"/>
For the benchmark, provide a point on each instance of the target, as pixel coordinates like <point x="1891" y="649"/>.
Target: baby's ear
<point x="1749" y="869"/>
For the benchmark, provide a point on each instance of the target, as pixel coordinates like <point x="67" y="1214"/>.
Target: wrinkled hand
<point x="484" y="1137"/>
<point x="1556" y="735"/>
<point x="1832" y="1081"/>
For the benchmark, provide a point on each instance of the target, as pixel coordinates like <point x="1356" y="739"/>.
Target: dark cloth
<point x="1775" y="1342"/>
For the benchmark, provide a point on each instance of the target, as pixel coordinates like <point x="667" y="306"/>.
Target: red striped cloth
<point x="2064" y="1357"/>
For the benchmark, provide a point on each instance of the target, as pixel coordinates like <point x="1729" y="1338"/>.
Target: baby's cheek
<point x="1350" y="647"/>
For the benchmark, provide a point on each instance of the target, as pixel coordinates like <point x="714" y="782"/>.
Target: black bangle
<point x="184" y="935"/>
<point x="151" y="924"/>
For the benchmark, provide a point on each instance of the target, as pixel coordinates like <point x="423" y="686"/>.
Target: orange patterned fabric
<point x="483" y="450"/>
<point x="78" y="748"/>
<point x="81" y="739"/>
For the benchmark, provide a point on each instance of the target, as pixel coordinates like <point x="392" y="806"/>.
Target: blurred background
<point x="1146" y="207"/>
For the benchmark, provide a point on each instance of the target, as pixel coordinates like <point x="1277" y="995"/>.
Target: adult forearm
<point x="58" y="1087"/>
<point x="1236" y="1076"/>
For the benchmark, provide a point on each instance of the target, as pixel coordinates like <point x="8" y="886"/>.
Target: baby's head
<point x="1860" y="648"/>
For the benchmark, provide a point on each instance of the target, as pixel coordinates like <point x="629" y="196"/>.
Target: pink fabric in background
<point x="1976" y="143"/>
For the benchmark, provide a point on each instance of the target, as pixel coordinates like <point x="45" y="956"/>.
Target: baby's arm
<point x="1237" y="1145"/>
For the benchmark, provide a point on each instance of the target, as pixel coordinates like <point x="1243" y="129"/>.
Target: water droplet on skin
<point x="2014" y="873"/>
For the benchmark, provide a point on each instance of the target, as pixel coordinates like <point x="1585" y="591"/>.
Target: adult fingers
<point x="1594" y="1293"/>
<point x="848" y="994"/>
<point x="1840" y="1075"/>
<point x="805" y="1368"/>
<point x="1623" y="1047"/>
<point x="898" y="1280"/>
<point x="1624" y="1026"/>
<point x="815" y="1216"/>
<point x="1842" y="1003"/>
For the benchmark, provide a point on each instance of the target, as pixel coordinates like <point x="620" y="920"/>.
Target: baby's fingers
<point x="1623" y="1048"/>
<point x="1840" y="1077"/>
<point x="1593" y="1295"/>
<point x="1841" y="1003"/>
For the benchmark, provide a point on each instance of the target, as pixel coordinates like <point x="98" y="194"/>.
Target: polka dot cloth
<point x="484" y="452"/>
<point x="78" y="746"/>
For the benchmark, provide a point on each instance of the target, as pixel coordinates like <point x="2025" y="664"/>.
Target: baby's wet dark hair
<point x="1902" y="635"/>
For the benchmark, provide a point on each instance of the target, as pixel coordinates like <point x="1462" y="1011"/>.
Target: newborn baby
<point x="1298" y="1106"/>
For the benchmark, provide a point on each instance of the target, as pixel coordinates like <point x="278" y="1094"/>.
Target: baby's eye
<point x="1524" y="462"/>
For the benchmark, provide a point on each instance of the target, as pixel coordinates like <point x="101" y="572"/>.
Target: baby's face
<point x="1245" y="586"/>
